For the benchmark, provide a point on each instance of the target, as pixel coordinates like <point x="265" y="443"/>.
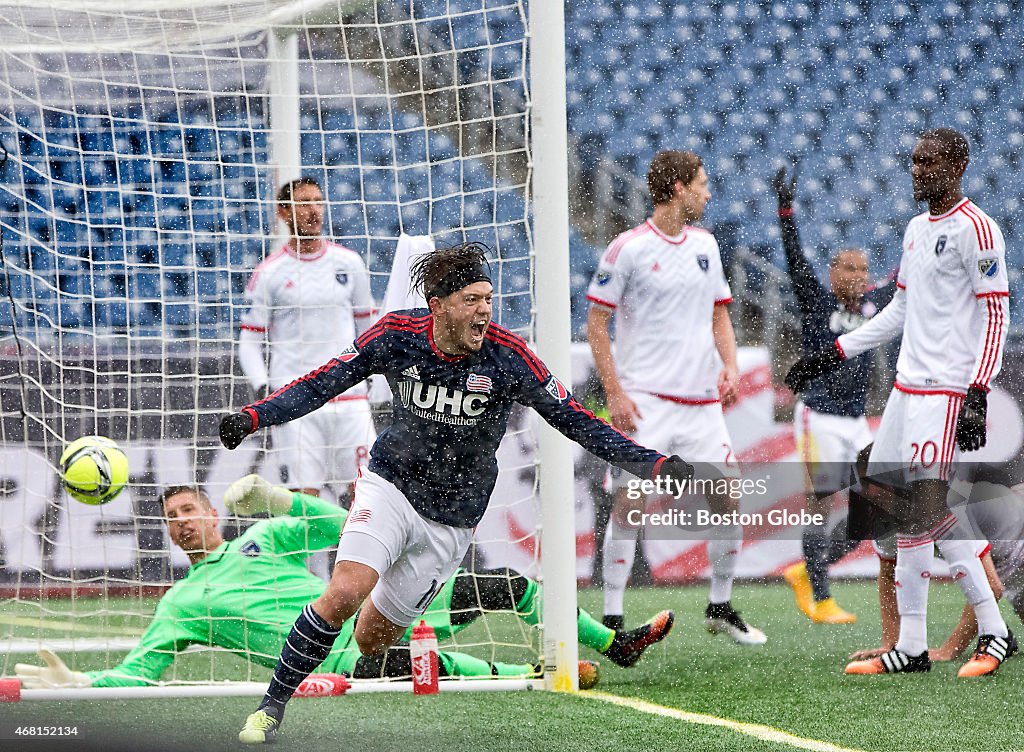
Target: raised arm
<point x="303" y="523"/>
<point x="806" y="287"/>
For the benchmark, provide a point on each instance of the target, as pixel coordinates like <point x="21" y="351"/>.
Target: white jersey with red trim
<point x="663" y="291"/>
<point x="310" y="307"/>
<point x="952" y="305"/>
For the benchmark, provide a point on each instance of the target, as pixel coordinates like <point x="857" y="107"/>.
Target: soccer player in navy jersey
<point x="455" y="377"/>
<point x="828" y="419"/>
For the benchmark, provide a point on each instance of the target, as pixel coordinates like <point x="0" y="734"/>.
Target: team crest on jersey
<point x="703" y="263"/>
<point x="251" y="548"/>
<point x="477" y="383"/>
<point x="342" y="276"/>
<point x="940" y="245"/>
<point x="349" y="353"/>
<point x="603" y="278"/>
<point x="555" y="389"/>
<point x="988" y="267"/>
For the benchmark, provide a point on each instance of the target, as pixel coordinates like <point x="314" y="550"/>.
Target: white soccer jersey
<point x="952" y="305"/>
<point x="310" y="307"/>
<point x="664" y="291"/>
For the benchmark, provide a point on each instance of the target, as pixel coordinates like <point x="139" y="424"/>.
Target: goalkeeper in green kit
<point x="244" y="595"/>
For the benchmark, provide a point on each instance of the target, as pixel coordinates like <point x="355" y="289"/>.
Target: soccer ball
<point x="94" y="469"/>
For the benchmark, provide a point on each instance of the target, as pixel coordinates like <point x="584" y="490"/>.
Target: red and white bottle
<point x="423" y="653"/>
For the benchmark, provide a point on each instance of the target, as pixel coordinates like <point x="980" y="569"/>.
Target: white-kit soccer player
<point x="455" y="377"/>
<point x="307" y="302"/>
<point x="952" y="308"/>
<point x="673" y="368"/>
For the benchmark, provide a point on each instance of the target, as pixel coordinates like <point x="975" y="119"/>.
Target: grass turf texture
<point x="794" y="683"/>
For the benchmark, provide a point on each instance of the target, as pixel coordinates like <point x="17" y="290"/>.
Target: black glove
<point x="970" y="423"/>
<point x="810" y="367"/>
<point x="676" y="468"/>
<point x="785" y="190"/>
<point x="233" y="428"/>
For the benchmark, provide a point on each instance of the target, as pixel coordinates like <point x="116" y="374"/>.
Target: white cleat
<point x="722" y="618"/>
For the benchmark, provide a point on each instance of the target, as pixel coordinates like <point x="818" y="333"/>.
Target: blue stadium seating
<point x="842" y="88"/>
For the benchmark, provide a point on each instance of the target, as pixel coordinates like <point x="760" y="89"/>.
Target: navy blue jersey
<point x="823" y="318"/>
<point x="450" y="412"/>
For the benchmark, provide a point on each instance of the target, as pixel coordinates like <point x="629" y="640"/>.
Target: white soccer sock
<point x="619" y="552"/>
<point x="966" y="569"/>
<point x="914" y="557"/>
<point x="722" y="554"/>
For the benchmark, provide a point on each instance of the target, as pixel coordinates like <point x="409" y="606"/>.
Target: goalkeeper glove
<point x="675" y="468"/>
<point x="785" y="190"/>
<point x="970" y="423"/>
<point x="234" y="428"/>
<point x="54" y="674"/>
<point x="253" y="495"/>
<point x="811" y="367"/>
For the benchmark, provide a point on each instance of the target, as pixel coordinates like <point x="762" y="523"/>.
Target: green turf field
<point x="793" y="685"/>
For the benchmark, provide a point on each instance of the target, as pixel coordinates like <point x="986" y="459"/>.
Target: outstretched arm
<point x="310" y="392"/>
<point x="877" y="331"/>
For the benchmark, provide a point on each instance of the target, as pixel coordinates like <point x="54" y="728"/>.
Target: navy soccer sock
<point x="308" y="645"/>
<point x="816" y="545"/>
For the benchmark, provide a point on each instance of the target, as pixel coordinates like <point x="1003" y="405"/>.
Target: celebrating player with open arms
<point x="952" y="308"/>
<point x="455" y="377"/>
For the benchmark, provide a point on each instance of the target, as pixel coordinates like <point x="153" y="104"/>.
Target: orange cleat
<point x="893" y="662"/>
<point x="829" y="612"/>
<point x="796" y="577"/>
<point x="989" y="655"/>
<point x="627" y="647"/>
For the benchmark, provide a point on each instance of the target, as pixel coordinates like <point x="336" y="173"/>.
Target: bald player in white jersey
<point x="307" y="302"/>
<point x="952" y="308"/>
<point x="673" y="369"/>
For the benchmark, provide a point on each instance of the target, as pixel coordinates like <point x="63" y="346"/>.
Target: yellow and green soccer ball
<point x="94" y="469"/>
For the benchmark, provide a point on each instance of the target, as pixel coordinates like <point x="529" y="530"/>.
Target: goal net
<point x="145" y="143"/>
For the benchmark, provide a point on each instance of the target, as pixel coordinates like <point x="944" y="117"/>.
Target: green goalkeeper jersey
<point x="245" y="596"/>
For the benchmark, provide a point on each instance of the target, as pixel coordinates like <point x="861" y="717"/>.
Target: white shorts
<point x="697" y="433"/>
<point x="414" y="556"/>
<point x="828" y="445"/>
<point x="326" y="447"/>
<point x="917" y="438"/>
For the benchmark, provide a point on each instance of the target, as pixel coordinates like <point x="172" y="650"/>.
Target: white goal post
<point x="146" y="143"/>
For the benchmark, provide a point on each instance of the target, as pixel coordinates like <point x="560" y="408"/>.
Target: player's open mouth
<point x="478" y="328"/>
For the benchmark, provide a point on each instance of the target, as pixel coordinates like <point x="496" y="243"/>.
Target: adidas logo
<point x="412" y="372"/>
